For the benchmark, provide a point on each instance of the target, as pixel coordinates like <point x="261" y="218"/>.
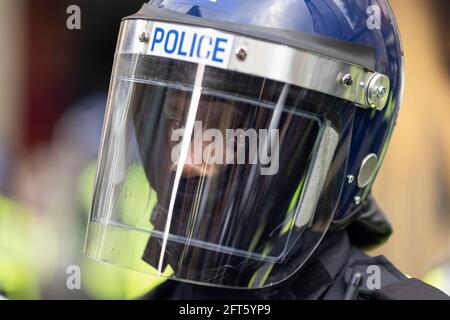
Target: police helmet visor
<point x="213" y="176"/>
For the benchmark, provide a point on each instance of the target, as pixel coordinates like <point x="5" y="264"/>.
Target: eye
<point x="175" y="124"/>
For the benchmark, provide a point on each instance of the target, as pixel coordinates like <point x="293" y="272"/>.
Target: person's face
<point x="212" y="113"/>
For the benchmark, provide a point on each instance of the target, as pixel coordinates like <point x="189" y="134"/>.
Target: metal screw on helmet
<point x="241" y="53"/>
<point x="378" y="91"/>
<point x="357" y="201"/>
<point x="347" y="80"/>
<point x="143" y="37"/>
<point x="350" y="179"/>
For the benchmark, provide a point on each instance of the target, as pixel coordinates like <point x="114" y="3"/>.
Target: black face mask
<point x="195" y="260"/>
<point x="184" y="259"/>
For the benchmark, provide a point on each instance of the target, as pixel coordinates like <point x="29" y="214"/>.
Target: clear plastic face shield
<point x="213" y="176"/>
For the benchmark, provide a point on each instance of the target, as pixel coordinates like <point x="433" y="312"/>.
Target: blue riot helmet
<point x="258" y="126"/>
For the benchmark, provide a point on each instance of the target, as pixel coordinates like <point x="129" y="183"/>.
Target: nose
<point x="195" y="165"/>
<point x="193" y="170"/>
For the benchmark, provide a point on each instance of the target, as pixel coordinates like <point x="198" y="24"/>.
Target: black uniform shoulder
<point x="367" y="227"/>
<point x="378" y="279"/>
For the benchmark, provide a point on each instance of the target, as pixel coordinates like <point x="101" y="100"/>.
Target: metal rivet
<point x="347" y="80"/>
<point x="143" y="37"/>
<point x="350" y="179"/>
<point x="378" y="91"/>
<point x="357" y="200"/>
<point x="367" y="171"/>
<point x="241" y="53"/>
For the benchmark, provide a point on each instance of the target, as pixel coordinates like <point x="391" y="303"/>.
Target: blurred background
<point x="53" y="86"/>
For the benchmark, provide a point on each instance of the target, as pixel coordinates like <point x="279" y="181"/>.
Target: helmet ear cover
<point x="368" y="226"/>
